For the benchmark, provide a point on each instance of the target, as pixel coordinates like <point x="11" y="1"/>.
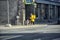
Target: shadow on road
<point x="33" y="36"/>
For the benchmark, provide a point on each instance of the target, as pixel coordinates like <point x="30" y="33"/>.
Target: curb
<point x="22" y="26"/>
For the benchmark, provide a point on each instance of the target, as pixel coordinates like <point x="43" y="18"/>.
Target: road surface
<point x="50" y="32"/>
<point x="30" y="36"/>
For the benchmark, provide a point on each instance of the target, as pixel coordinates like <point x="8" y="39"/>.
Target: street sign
<point x="28" y="1"/>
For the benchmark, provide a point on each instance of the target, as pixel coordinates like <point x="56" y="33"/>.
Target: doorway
<point x="28" y="10"/>
<point x="58" y="14"/>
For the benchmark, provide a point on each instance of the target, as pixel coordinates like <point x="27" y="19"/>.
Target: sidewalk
<point x="22" y="26"/>
<point x="43" y="28"/>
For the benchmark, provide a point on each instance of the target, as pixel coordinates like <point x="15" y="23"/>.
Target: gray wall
<point x="3" y="10"/>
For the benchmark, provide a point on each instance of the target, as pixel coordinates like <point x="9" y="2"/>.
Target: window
<point x="46" y="11"/>
<point x="52" y="14"/>
<point x="29" y="1"/>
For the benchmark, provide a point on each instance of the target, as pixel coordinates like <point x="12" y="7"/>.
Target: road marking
<point x="37" y="39"/>
<point x="9" y="37"/>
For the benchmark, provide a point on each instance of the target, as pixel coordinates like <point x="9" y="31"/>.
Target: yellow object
<point x="33" y="17"/>
<point x="32" y="20"/>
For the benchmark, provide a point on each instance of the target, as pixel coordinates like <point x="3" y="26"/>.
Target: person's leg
<point x="33" y="23"/>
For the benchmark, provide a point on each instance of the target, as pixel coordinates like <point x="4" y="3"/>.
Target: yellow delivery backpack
<point x="33" y="17"/>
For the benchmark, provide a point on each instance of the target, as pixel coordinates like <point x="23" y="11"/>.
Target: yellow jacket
<point x="33" y="17"/>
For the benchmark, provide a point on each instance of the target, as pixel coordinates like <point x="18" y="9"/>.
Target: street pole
<point x="34" y="10"/>
<point x="8" y="24"/>
<point x="8" y="10"/>
<point x="49" y="13"/>
<point x="34" y="7"/>
<point x="23" y="10"/>
<point x="38" y="12"/>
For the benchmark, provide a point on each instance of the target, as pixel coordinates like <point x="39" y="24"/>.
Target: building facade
<point x="17" y="11"/>
<point x="7" y="6"/>
<point x="47" y="11"/>
<point x="10" y="10"/>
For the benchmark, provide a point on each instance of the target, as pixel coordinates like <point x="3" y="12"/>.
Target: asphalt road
<point x="36" y="33"/>
<point x="30" y="36"/>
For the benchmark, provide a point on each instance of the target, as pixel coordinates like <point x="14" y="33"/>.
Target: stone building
<point x="14" y="8"/>
<point x="47" y="11"/>
<point x="17" y="11"/>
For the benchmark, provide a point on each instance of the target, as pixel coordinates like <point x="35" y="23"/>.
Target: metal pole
<point x="34" y="9"/>
<point x="8" y="10"/>
<point x="23" y="16"/>
<point x="49" y="13"/>
<point x="8" y="24"/>
<point x="38" y="12"/>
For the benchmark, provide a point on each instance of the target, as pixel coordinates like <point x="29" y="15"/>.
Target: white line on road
<point x="9" y="37"/>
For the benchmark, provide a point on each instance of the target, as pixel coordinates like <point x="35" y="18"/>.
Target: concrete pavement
<point x="31" y="29"/>
<point x="22" y="26"/>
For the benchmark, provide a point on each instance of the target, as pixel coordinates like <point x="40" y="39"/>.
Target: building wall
<point x="21" y="11"/>
<point x="51" y="13"/>
<point x="16" y="8"/>
<point x="3" y="10"/>
<point x="54" y="2"/>
<point x="46" y="11"/>
<point x="59" y="14"/>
